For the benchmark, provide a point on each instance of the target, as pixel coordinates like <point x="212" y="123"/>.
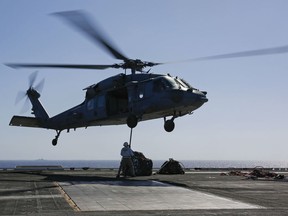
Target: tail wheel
<point x="132" y="121"/>
<point x="169" y="125"/>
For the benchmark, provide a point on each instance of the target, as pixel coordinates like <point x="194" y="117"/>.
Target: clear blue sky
<point x="245" y="118"/>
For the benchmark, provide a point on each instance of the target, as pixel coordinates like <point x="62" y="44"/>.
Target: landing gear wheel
<point x="54" y="142"/>
<point x="132" y="121"/>
<point x="169" y="125"/>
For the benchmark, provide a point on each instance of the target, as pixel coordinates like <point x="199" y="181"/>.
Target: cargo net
<point x="142" y="165"/>
<point x="171" y="167"/>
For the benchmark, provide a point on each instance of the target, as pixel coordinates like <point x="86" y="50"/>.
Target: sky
<point x="244" y="119"/>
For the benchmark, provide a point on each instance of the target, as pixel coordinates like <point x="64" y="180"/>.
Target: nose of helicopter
<point x="202" y="96"/>
<point x="198" y="98"/>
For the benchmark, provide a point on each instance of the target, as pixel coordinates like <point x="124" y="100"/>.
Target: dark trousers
<point x="126" y="163"/>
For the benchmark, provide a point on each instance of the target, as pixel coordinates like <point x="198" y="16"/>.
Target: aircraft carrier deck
<point x="98" y="192"/>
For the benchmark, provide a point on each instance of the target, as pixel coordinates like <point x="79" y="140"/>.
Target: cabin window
<point x="101" y="101"/>
<point x="90" y="104"/>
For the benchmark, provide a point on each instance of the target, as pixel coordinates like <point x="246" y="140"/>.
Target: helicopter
<point x="123" y="98"/>
<point x="120" y="99"/>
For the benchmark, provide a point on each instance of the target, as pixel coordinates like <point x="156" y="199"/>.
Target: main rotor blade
<point x="73" y="66"/>
<point x="258" y="52"/>
<point x="80" y="21"/>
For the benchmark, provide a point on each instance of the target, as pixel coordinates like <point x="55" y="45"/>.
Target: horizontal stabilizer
<point x="23" y="121"/>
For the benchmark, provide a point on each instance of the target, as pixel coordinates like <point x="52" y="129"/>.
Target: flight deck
<point x="98" y="192"/>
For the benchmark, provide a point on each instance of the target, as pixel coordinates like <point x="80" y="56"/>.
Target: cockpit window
<point x="169" y="82"/>
<point x="172" y="83"/>
<point x="186" y="83"/>
<point x="182" y="85"/>
<point x="163" y="83"/>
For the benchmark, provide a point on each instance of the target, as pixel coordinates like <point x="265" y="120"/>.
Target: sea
<point x="112" y="164"/>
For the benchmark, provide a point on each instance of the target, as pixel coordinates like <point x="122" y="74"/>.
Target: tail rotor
<point x="33" y="90"/>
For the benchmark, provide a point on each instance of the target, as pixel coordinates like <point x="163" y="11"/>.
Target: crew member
<point x="126" y="161"/>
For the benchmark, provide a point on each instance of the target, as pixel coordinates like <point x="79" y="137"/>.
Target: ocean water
<point x="10" y="164"/>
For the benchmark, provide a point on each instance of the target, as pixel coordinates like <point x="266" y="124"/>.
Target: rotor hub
<point x="31" y="92"/>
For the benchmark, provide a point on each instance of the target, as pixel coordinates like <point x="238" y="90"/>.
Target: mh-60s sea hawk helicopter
<point x="121" y="99"/>
<point x="124" y="98"/>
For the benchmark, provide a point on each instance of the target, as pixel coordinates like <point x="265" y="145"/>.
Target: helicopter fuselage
<point x="145" y="96"/>
<point x="120" y="99"/>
